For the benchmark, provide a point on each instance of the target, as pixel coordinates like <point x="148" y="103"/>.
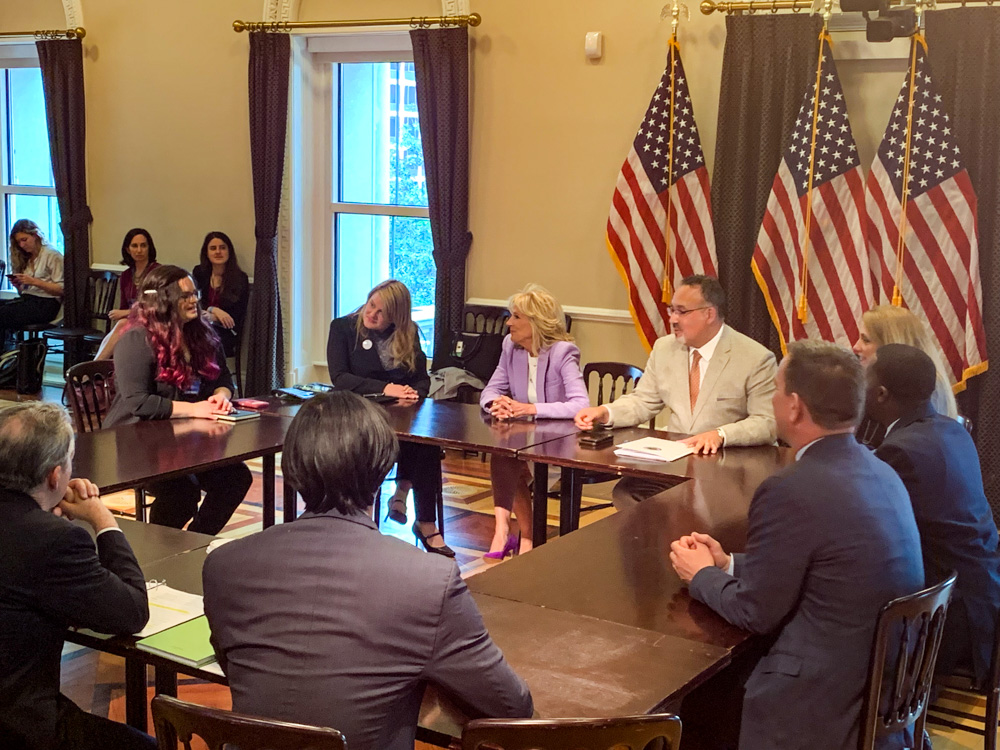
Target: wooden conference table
<point x="558" y="653"/>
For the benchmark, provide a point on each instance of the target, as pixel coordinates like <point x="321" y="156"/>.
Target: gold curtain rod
<point x="417" y="22"/>
<point x="78" y="33"/>
<point x="708" y="7"/>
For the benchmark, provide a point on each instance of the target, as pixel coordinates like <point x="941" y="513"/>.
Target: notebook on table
<point x="188" y="643"/>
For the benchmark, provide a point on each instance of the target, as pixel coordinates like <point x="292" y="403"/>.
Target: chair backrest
<point x="901" y="669"/>
<point x="176" y="720"/>
<point x="625" y="733"/>
<point x="484" y="319"/>
<point x="621" y="378"/>
<point x="102" y="296"/>
<point x="90" y="389"/>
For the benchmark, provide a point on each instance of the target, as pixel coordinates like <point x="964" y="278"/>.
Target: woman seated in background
<point x="169" y="364"/>
<point x="887" y="324"/>
<point x="37" y="274"/>
<point x="538" y="375"/>
<point x="224" y="288"/>
<point x="139" y="255"/>
<point x="376" y="350"/>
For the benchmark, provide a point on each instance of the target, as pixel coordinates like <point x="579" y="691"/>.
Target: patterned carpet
<point x="96" y="681"/>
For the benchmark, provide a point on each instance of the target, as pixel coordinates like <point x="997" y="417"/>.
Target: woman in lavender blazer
<point x="538" y="376"/>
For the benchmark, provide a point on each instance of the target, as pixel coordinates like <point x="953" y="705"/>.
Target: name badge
<point x="366" y="344"/>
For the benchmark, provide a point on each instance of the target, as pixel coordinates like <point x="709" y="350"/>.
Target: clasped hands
<point x="83" y="500"/>
<point x="696" y="551"/>
<point x="404" y="392"/>
<point x="504" y="407"/>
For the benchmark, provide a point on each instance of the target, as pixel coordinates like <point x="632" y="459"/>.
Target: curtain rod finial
<point x="708" y="7"/>
<point x="475" y="19"/>
<point x="79" y="32"/>
<point x="239" y="26"/>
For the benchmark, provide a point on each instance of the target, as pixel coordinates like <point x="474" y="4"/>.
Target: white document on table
<point x="654" y="449"/>
<point x="169" y="607"/>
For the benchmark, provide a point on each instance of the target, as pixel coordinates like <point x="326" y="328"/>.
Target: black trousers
<point x="421" y="464"/>
<point x="79" y="730"/>
<point x="26" y="310"/>
<point x="177" y="499"/>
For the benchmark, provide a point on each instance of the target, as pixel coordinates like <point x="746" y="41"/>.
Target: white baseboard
<point x="590" y="314"/>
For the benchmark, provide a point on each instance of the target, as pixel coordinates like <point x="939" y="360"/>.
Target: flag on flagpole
<point x="934" y="271"/>
<point x="660" y="226"/>
<point x="810" y="260"/>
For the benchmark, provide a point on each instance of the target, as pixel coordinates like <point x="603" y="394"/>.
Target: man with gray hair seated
<point x="51" y="577"/>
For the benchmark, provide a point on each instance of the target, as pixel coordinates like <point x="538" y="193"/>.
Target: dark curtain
<point x="441" y="61"/>
<point x="270" y="58"/>
<point x="61" y="62"/>
<point x="963" y="45"/>
<point x="768" y="62"/>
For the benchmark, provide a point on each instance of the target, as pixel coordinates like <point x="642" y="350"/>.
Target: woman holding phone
<point x="37" y="274"/>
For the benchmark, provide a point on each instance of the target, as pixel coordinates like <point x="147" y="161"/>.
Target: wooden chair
<point x="176" y="720"/>
<point x="484" y="319"/>
<point x="985" y="725"/>
<point x="102" y="293"/>
<point x="90" y="389"/>
<point x="621" y="379"/>
<point x="625" y="733"/>
<point x="901" y="668"/>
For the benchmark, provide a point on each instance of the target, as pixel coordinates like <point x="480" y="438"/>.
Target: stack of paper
<point x="169" y="607"/>
<point x="654" y="449"/>
<point x="188" y="643"/>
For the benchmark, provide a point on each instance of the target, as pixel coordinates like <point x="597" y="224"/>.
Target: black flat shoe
<point x="397" y="511"/>
<point x="444" y="549"/>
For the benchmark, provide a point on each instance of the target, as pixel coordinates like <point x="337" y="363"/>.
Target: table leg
<point x="570" y="491"/>
<point x="268" y="482"/>
<point x="540" y="504"/>
<point x="289" y="503"/>
<point x="135" y="694"/>
<point x="165" y="681"/>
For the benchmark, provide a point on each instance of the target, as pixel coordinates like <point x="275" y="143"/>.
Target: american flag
<point x="819" y="189"/>
<point x="663" y="181"/>
<point x="940" y="279"/>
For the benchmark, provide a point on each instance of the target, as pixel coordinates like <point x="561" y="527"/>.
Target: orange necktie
<point x="694" y="378"/>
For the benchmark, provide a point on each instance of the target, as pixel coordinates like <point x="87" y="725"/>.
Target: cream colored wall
<point x="168" y="145"/>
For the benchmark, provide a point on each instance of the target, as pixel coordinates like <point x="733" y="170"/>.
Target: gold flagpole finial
<point x="672" y="10"/>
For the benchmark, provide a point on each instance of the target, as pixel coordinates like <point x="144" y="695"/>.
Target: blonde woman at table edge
<point x="170" y="364"/>
<point x="376" y="350"/>
<point x="538" y="376"/>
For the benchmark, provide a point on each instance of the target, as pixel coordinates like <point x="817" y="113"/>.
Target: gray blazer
<point x="735" y="394"/>
<point x="327" y="622"/>
<point x="830" y="540"/>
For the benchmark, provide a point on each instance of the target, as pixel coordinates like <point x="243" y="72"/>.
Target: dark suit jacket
<point x="52" y="577"/>
<point x="937" y="461"/>
<point x="327" y="622"/>
<point x="831" y="539"/>
<point x="354" y="368"/>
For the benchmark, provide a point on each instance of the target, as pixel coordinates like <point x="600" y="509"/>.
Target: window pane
<point x="30" y="163"/>
<point x="371" y="249"/>
<point x="41" y="209"/>
<point x="381" y="157"/>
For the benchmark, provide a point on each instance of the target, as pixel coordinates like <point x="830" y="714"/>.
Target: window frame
<point x="314" y="207"/>
<point x="13" y="55"/>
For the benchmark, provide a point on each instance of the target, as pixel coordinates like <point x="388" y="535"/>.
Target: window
<point x="26" y="182"/>
<point x="379" y="227"/>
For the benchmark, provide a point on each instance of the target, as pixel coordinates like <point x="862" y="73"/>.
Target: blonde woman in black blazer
<point x="376" y="350"/>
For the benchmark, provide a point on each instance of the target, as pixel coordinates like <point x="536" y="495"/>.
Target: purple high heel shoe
<point x="510" y="548"/>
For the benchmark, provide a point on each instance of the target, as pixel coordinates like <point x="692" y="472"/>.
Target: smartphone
<point x="596" y="438"/>
<point x="250" y="403"/>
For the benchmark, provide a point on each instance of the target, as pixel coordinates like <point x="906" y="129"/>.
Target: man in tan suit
<point x="714" y="383"/>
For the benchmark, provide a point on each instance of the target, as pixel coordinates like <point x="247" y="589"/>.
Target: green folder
<point x="187" y="643"/>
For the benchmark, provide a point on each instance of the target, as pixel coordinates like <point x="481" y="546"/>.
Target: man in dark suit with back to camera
<point x="831" y="539"/>
<point x="936" y="459"/>
<point x="325" y="621"/>
<point x="52" y="577"/>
